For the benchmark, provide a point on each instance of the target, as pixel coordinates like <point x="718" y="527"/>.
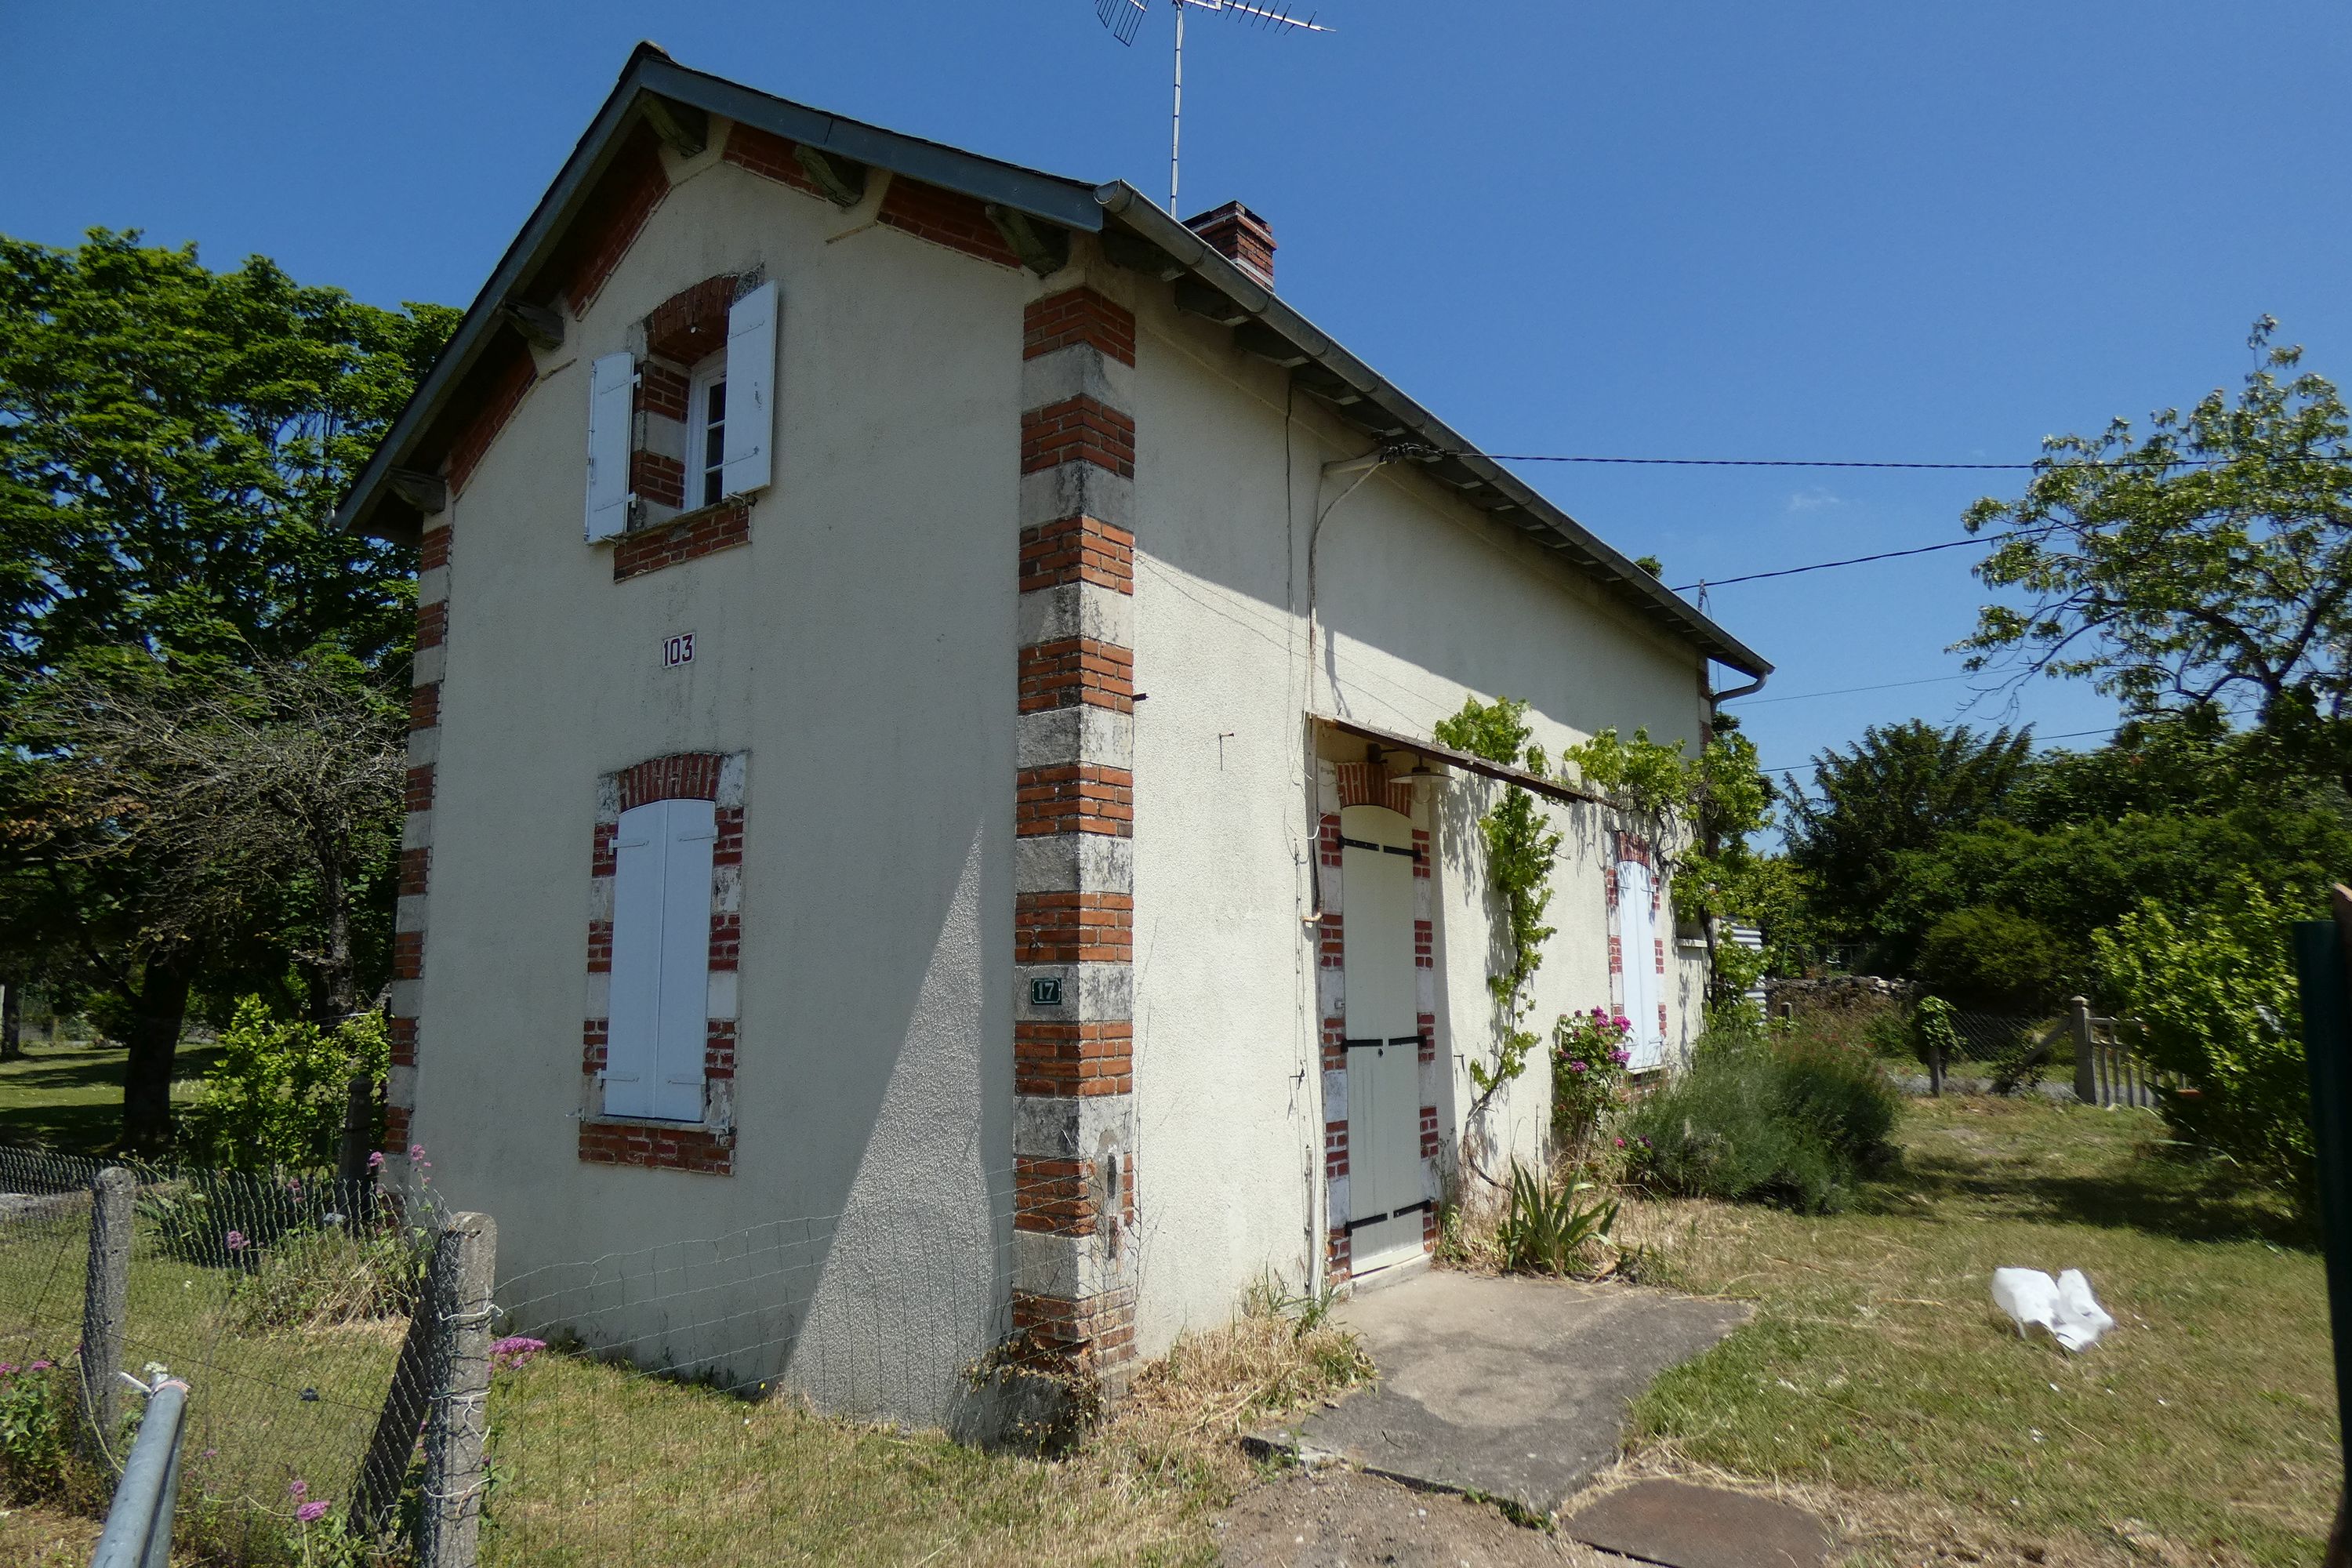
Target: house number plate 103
<point x="678" y="650"/>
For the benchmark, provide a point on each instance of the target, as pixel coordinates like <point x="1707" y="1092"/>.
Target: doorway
<point x="1385" y="1193"/>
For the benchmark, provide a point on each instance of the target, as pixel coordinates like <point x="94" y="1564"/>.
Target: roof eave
<point x="1549" y="525"/>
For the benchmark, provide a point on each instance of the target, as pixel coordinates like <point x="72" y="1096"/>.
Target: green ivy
<point x="1520" y="844"/>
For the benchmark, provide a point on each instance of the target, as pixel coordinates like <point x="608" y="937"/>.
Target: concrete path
<point x="1514" y="1388"/>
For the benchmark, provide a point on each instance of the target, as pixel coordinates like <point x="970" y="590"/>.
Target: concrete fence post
<point x="2078" y="1023"/>
<point x="106" y="1291"/>
<point x="459" y="1295"/>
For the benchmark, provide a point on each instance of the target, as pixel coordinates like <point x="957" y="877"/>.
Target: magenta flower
<point x="1620" y="1056"/>
<point x="1620" y="1023"/>
<point x="515" y="1350"/>
<point x="296" y="1487"/>
<point x="1575" y="1067"/>
<point x="416" y="1151"/>
<point x="376" y="1160"/>
<point x="312" y="1512"/>
<point x="236" y="1241"/>
<point x="1621" y="1143"/>
<point x="40" y="1366"/>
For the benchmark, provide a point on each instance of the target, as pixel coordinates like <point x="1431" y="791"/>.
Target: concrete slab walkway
<point x="1514" y="1388"/>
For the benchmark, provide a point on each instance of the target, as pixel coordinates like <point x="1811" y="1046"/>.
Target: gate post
<point x="459" y="1295"/>
<point x="106" y="1291"/>
<point x="2078" y="1023"/>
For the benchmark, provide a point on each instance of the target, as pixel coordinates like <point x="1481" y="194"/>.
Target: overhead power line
<point x="2069" y="735"/>
<point x="1847" y="690"/>
<point x="1863" y="463"/>
<point x="1825" y="565"/>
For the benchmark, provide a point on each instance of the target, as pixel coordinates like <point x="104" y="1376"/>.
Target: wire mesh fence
<point x="746" y="1397"/>
<point x="282" y="1301"/>
<point x="677" y="1401"/>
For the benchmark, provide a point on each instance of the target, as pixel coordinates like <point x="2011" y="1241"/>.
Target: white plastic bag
<point x="2081" y="1319"/>
<point x="2064" y="1306"/>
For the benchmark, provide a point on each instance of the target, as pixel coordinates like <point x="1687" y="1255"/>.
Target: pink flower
<point x="1620" y="1023"/>
<point x="376" y="1160"/>
<point x="296" y="1487"/>
<point x="416" y="1151"/>
<point x="1620" y="1056"/>
<point x="312" y="1512"/>
<point x="1575" y="1067"/>
<point x="515" y="1350"/>
<point x="1621" y="1143"/>
<point x="236" y="1241"/>
<point x="40" y="1366"/>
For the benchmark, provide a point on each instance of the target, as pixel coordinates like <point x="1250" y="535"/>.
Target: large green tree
<point x="2206" y="564"/>
<point x="1898" y="790"/>
<point x="173" y="441"/>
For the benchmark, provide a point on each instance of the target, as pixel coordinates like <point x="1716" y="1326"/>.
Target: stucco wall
<point x="1421" y="603"/>
<point x="859" y="651"/>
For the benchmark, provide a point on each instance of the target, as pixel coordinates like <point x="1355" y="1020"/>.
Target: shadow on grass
<point x="2160" y="1192"/>
<point x="69" y="1097"/>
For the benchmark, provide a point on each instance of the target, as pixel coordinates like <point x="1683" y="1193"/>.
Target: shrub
<point x="1788" y="1121"/>
<point x="1588" y="1075"/>
<point x="1548" y="1229"/>
<point x="1990" y="960"/>
<point x="34" y="1400"/>
<point x="277" y="1098"/>
<point x="2216" y="992"/>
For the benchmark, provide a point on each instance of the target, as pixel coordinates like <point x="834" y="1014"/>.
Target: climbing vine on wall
<point x="1695" y="813"/>
<point x="1520" y="844"/>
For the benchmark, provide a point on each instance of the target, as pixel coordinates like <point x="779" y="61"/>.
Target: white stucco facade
<point x="934" y="1116"/>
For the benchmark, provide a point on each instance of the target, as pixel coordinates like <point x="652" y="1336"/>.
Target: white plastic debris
<point x="2064" y="1306"/>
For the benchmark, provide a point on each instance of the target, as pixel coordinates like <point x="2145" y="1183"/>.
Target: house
<point x="924" y="823"/>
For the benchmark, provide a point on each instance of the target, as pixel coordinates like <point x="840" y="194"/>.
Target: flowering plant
<point x="35" y="1400"/>
<point x="1589" y="1056"/>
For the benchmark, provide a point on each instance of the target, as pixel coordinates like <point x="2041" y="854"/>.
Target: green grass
<point x="1877" y="1367"/>
<point x="69" y="1097"/>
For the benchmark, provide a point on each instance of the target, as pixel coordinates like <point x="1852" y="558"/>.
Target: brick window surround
<point x="708" y="1146"/>
<point x="681" y="332"/>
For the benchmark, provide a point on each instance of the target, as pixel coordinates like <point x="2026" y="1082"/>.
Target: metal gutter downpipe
<point x="139" y="1523"/>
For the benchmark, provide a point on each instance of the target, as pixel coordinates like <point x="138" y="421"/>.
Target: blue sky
<point x="1833" y="230"/>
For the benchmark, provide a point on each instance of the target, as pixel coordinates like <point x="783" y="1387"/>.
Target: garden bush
<point x="1587" y="1076"/>
<point x="277" y="1099"/>
<point x="34" y="1402"/>
<point x="1786" y="1121"/>
<point x="2216" y="992"/>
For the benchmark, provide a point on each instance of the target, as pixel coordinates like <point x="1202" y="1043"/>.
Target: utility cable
<point x="1825" y="565"/>
<point x="2175" y="462"/>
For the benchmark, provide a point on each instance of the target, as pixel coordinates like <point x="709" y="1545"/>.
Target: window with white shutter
<point x="1637" y="943"/>
<point x="661" y="960"/>
<point x="751" y="392"/>
<point x="612" y="382"/>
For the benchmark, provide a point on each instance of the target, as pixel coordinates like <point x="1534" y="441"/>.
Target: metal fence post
<point x="459" y="1295"/>
<point x="2078" y="1024"/>
<point x="106" y="1291"/>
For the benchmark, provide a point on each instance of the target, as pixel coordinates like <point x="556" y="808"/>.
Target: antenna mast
<point x="1124" y="16"/>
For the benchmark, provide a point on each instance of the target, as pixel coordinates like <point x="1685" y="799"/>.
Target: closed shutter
<point x="658" y="1015"/>
<point x="751" y="427"/>
<point x="1637" y="935"/>
<point x="612" y="382"/>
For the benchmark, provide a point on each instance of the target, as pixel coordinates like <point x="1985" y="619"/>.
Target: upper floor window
<point x="705" y="438"/>
<point x="690" y="421"/>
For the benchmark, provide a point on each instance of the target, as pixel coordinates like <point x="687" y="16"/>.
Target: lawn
<point x="68" y="1096"/>
<point x="1877" y="1371"/>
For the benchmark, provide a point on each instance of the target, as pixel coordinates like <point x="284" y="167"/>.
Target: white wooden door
<point x="1385" y="1199"/>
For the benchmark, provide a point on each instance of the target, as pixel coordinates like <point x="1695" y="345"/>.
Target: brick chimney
<point x="1240" y="237"/>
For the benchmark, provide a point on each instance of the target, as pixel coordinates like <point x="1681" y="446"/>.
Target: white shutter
<point x="1637" y="936"/>
<point x="750" y="429"/>
<point x="684" y="960"/>
<point x="611" y="384"/>
<point x="632" y="1016"/>
<point x="657" y="1018"/>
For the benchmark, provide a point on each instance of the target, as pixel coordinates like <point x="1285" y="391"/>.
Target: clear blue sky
<point x="1848" y="230"/>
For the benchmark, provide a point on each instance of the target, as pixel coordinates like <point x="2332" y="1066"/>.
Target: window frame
<point x="706" y="477"/>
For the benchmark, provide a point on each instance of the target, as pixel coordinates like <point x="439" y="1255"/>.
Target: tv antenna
<point x="1124" y="16"/>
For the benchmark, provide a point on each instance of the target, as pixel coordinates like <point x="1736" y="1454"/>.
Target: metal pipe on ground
<point x="138" y="1531"/>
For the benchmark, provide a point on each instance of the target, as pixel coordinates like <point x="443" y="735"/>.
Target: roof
<point x="1035" y="210"/>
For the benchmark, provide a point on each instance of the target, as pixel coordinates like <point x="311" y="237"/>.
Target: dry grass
<point x="1878" y="1380"/>
<point x="598" y="1465"/>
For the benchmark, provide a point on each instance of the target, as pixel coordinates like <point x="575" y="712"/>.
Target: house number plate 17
<point x="678" y="650"/>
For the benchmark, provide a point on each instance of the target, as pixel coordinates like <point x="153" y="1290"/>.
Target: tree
<point x="1901" y="788"/>
<point x="171" y="443"/>
<point x="2206" y="565"/>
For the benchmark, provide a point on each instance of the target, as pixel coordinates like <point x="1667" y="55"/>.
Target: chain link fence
<point x="282" y="1301"/>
